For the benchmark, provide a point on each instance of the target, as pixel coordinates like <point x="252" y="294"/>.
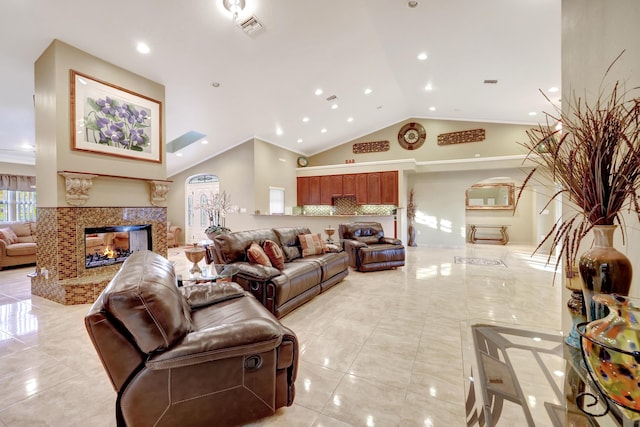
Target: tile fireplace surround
<point x="61" y="275"/>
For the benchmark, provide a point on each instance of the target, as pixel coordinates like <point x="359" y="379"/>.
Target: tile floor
<point x="378" y="349"/>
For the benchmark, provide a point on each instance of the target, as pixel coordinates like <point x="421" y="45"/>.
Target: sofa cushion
<point x="144" y="297"/>
<point x="311" y="244"/>
<point x="275" y="254"/>
<point x="256" y="255"/>
<point x="22" y="229"/>
<point x="232" y="247"/>
<point x="288" y="237"/>
<point x="368" y="240"/>
<point x="26" y="239"/>
<point x="8" y="235"/>
<point x="20" y="249"/>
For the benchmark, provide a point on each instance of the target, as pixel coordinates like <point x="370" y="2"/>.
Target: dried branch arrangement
<point x="594" y="159"/>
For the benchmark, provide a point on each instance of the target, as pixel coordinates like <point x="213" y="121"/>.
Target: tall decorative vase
<point x="412" y="235"/>
<point x="604" y="270"/>
<point x="610" y="350"/>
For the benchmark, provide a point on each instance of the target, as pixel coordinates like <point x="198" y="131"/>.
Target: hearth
<point x="113" y="244"/>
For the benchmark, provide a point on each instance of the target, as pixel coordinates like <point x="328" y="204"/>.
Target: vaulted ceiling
<point x="232" y="86"/>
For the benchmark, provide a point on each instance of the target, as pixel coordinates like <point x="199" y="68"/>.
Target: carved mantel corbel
<point x="159" y="190"/>
<point x="77" y="186"/>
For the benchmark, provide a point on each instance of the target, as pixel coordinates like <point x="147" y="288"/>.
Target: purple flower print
<point x="116" y="123"/>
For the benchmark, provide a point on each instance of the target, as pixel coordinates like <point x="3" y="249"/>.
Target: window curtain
<point x="17" y="182"/>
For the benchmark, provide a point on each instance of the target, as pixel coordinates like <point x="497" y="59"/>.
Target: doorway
<point x="198" y="189"/>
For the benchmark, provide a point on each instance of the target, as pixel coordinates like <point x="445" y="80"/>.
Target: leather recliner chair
<point x="193" y="356"/>
<point x="368" y="249"/>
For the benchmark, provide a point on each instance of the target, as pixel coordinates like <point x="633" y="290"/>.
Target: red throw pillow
<point x="275" y="254"/>
<point x="257" y="256"/>
<point x="311" y="244"/>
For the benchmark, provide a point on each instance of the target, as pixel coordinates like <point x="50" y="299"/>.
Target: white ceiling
<point x="267" y="81"/>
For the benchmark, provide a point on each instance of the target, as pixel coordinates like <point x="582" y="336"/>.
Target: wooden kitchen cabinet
<point x="373" y="189"/>
<point x="325" y="190"/>
<point x="314" y="190"/>
<point x="336" y="185"/>
<point x="303" y="190"/>
<point x="389" y="188"/>
<point x="361" y="189"/>
<point x="349" y="185"/>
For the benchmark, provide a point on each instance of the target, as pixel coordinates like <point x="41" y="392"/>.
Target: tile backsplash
<point x="345" y="206"/>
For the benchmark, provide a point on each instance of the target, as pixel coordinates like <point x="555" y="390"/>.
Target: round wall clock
<point x="411" y="136"/>
<point x="303" y="161"/>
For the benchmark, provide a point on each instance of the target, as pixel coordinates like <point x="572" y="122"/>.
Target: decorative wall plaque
<point x="370" y="147"/>
<point x="474" y="135"/>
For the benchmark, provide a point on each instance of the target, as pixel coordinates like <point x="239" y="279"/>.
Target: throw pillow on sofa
<point x="256" y="255"/>
<point x="311" y="244"/>
<point x="275" y="254"/>
<point x="8" y="235"/>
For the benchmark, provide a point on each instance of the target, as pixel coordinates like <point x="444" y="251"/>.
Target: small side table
<point x="211" y="273"/>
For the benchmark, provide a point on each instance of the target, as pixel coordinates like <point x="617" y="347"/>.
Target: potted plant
<point x="594" y="158"/>
<point x="216" y="207"/>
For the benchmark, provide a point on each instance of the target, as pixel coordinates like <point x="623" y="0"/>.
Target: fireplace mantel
<point x="78" y="185"/>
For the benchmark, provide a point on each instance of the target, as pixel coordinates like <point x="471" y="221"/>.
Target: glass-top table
<point x="521" y="376"/>
<point x="208" y="273"/>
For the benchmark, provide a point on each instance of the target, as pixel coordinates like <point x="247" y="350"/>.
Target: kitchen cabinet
<point x="389" y="188"/>
<point x="314" y="190"/>
<point x="361" y="189"/>
<point x="349" y="185"/>
<point x="325" y="190"/>
<point x="373" y="189"/>
<point x="336" y="185"/>
<point x="303" y="190"/>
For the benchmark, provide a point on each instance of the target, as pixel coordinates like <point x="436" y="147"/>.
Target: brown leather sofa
<point x="199" y="355"/>
<point x="368" y="249"/>
<point x="281" y="291"/>
<point x="21" y="248"/>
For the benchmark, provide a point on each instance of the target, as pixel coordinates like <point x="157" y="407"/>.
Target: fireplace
<point x="113" y="245"/>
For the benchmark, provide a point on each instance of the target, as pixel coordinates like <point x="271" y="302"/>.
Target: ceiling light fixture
<point x="305" y="119"/>
<point x="553" y="89"/>
<point x="350" y="119"/>
<point x="533" y="113"/>
<point x="334" y="106"/>
<point x="178" y="154"/>
<point x="318" y="92"/>
<point x="234" y="7"/>
<point x="367" y="91"/>
<point x="299" y="140"/>
<point x="279" y="131"/>
<point x="143" y="48"/>
<point x="428" y="87"/>
<point x="412" y="3"/>
<point x="422" y="56"/>
<point x="204" y="142"/>
<point x="323" y="130"/>
<point x="432" y="108"/>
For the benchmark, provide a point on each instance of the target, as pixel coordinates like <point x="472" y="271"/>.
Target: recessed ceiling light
<point x="350" y="119"/>
<point x="553" y="89"/>
<point x="428" y="87"/>
<point x="334" y="106"/>
<point x="422" y="56"/>
<point x="27" y="147"/>
<point x="432" y="108"/>
<point x="178" y="154"/>
<point x="367" y="91"/>
<point x="412" y="3"/>
<point x="324" y="130"/>
<point x="533" y="113"/>
<point x="204" y="142"/>
<point x="279" y="131"/>
<point x="305" y="119"/>
<point x="143" y="48"/>
<point x="299" y="140"/>
<point x="318" y="92"/>
<point x="215" y="84"/>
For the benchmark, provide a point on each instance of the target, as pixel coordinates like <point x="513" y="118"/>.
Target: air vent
<point x="332" y="98"/>
<point x="251" y="25"/>
<point x="491" y="82"/>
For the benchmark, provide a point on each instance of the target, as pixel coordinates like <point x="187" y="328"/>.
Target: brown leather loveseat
<point x="200" y="355"/>
<point x="299" y="280"/>
<point x="368" y="249"/>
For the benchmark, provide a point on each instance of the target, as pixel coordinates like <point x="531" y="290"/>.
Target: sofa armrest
<point x="351" y="247"/>
<point x="391" y="241"/>
<point x="256" y="272"/>
<point x="3" y="246"/>
<point x="199" y="296"/>
<point x="252" y="336"/>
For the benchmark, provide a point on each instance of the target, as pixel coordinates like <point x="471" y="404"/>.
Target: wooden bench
<point x="502" y="238"/>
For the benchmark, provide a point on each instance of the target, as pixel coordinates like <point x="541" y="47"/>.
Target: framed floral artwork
<point x="115" y="121"/>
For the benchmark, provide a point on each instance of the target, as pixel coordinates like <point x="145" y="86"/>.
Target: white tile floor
<point x="378" y="349"/>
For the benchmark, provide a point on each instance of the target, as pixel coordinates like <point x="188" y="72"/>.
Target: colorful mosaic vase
<point x="611" y="350"/>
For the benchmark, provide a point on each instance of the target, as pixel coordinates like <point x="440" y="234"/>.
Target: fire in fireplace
<point x="112" y="245"/>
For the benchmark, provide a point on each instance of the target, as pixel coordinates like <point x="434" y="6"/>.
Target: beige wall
<point x="500" y="141"/>
<point x="53" y="127"/>
<point x="17" y="169"/>
<point x="274" y="167"/>
<point x="593" y="34"/>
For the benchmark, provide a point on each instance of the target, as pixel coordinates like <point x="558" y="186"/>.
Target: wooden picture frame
<point x="114" y="121"/>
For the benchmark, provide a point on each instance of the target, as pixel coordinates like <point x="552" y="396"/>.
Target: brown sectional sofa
<point x="301" y="279"/>
<point x="21" y="251"/>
